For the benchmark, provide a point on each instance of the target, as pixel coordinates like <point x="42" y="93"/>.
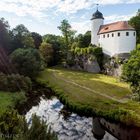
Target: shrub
<point x="15" y="127"/>
<point x="20" y="99"/>
<point x="38" y="131"/>
<point x="27" y="61"/>
<point x="131" y="71"/>
<point x="14" y="82"/>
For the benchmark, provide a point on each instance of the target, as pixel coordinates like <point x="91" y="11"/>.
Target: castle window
<point x="134" y="33"/>
<point x="127" y="33"/>
<point x="103" y="36"/>
<point x="118" y="34"/>
<point x="112" y="35"/>
<point x="107" y="35"/>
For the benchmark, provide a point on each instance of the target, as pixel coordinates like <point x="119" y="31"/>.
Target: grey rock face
<point x="92" y="66"/>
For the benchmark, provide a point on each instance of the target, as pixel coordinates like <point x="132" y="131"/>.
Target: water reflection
<point x="73" y="127"/>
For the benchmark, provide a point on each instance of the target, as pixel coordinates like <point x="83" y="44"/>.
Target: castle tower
<point x="96" y="20"/>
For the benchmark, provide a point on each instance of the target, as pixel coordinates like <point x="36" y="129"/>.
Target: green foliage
<point x="11" y="124"/>
<point x="39" y="131"/>
<point x="4" y="36"/>
<point x="11" y="100"/>
<point x="21" y="38"/>
<point x="37" y="39"/>
<point x="131" y="70"/>
<point x="16" y="127"/>
<point x="95" y="52"/>
<point x="67" y="32"/>
<point x="14" y="82"/>
<point x="46" y="51"/>
<point x="20" y="99"/>
<point x="135" y="22"/>
<point x="27" y="61"/>
<point x="83" y="41"/>
<point x="28" y="41"/>
<point x="57" y="45"/>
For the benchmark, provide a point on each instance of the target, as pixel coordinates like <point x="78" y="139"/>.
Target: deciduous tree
<point x="37" y="39"/>
<point x="46" y="51"/>
<point x="27" y="61"/>
<point x="135" y="22"/>
<point x="131" y="70"/>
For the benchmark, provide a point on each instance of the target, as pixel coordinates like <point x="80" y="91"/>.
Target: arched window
<point x="107" y="35"/>
<point x="119" y="34"/>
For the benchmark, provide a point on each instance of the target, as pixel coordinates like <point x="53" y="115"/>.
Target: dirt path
<point x="124" y="100"/>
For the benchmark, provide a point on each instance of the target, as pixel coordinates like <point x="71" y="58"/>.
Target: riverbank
<point x="93" y="94"/>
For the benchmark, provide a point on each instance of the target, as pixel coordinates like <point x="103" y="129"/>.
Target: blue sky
<point x="44" y="16"/>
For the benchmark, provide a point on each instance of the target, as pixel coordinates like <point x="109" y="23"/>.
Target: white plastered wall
<point x="118" y="44"/>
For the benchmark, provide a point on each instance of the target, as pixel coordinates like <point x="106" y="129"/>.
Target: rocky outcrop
<point x="91" y="66"/>
<point x="85" y="63"/>
<point x="113" y="66"/>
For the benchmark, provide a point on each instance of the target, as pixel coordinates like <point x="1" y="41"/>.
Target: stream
<point x="71" y="126"/>
<point x="74" y="127"/>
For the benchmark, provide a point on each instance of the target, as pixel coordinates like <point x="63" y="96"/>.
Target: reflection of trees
<point x="97" y="130"/>
<point x="65" y="112"/>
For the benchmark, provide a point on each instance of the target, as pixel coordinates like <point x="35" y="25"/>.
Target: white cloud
<point x="114" y="18"/>
<point x="36" y="8"/>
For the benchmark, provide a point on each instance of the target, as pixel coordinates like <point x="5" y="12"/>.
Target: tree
<point x="46" y="51"/>
<point x="21" y="37"/>
<point x="131" y="71"/>
<point x="37" y="39"/>
<point x="135" y="22"/>
<point x="4" y="46"/>
<point x="4" y="33"/>
<point x="57" y="45"/>
<point x="83" y="41"/>
<point x="67" y="32"/>
<point x="27" y="61"/>
<point x="28" y="41"/>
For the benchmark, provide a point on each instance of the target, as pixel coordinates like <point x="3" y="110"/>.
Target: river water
<point x="74" y="127"/>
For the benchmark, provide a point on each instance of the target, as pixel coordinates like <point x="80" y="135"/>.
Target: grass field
<point x="8" y="99"/>
<point x="106" y="95"/>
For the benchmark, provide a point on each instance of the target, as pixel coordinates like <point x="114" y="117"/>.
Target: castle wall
<point x="113" y="44"/>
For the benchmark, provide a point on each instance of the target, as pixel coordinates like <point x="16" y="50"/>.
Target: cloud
<point x="36" y="8"/>
<point x="114" y="18"/>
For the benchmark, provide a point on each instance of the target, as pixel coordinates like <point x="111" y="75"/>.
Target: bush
<point x="27" y="61"/>
<point x="38" y="131"/>
<point x="15" y="127"/>
<point x="20" y="99"/>
<point x="131" y="71"/>
<point x="14" y="82"/>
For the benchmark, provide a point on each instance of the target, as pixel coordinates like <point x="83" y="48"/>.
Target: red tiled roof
<point x="116" y="26"/>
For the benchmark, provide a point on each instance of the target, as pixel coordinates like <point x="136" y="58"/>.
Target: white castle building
<point x="114" y="38"/>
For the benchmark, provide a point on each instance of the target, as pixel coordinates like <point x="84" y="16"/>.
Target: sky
<point x="44" y="16"/>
